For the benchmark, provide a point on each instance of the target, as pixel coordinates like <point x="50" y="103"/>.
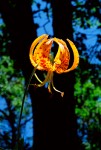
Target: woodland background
<point x="56" y="123"/>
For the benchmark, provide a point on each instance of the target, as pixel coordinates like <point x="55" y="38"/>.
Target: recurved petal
<point x="76" y="56"/>
<point x="42" y="54"/>
<point x="61" y="60"/>
<point x="33" y="46"/>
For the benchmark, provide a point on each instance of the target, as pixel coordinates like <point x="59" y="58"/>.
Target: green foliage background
<point x="12" y="87"/>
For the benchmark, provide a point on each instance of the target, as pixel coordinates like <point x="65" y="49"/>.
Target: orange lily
<point x="42" y="59"/>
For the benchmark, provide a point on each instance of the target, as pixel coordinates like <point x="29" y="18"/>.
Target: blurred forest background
<point x="49" y="121"/>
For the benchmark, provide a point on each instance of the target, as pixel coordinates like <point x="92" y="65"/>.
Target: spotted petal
<point x="61" y="60"/>
<point x="76" y="56"/>
<point x="32" y="49"/>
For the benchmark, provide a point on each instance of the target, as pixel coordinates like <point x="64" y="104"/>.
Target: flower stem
<point x="23" y="100"/>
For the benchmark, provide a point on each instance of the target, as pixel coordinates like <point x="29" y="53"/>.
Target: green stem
<point x="23" y="100"/>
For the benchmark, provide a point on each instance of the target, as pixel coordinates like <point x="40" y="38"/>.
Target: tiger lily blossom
<point x="42" y="59"/>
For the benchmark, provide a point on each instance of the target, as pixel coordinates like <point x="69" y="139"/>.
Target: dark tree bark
<point x="62" y="19"/>
<point x="18" y="17"/>
<point x="54" y="117"/>
<point x="62" y="26"/>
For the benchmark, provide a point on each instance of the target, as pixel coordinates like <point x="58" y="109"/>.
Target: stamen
<point x="62" y="93"/>
<point x="37" y="78"/>
<point x="42" y="83"/>
<point x="49" y="87"/>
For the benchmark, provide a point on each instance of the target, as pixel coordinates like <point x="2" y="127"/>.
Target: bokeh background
<point x="49" y="121"/>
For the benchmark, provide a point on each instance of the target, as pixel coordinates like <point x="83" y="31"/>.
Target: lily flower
<point x="42" y="59"/>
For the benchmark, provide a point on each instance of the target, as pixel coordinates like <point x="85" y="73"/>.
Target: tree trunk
<point x="18" y="18"/>
<point x="67" y="123"/>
